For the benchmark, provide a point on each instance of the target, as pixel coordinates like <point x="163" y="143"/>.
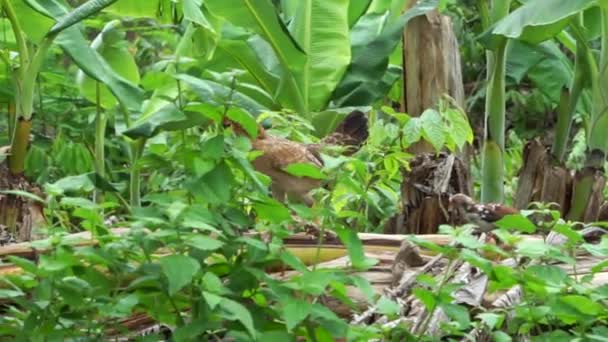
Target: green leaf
<point x="492" y="320"/>
<point x="71" y="184"/>
<point x="219" y="94"/>
<point x="500" y="336"/>
<point x="432" y="128"/>
<point x="168" y="118"/>
<point x="426" y="297"/>
<point x="373" y="37"/>
<point x="532" y="249"/>
<point x="212" y="299"/>
<point x="583" y="304"/>
<point x="305" y="170"/>
<point x="412" y="131"/>
<point x="215" y="186"/>
<point x="459" y="128"/>
<point x="82" y="12"/>
<point x="245" y="120"/>
<point x="156" y="9"/>
<point x="262" y="18"/>
<point x="537" y="21"/>
<point x="75" y="45"/>
<point x="94" y="65"/>
<point x="517" y="222"/>
<point x="272" y="211"/>
<point x="458" y="313"/>
<point x="179" y="270"/>
<point x="203" y="243"/>
<point x="321" y="29"/>
<point x="23" y="194"/>
<point x="388" y="307"/>
<point x="5" y="294"/>
<point x="235" y="311"/>
<point x="351" y="240"/>
<point x="295" y="311"/>
<point x="112" y="46"/>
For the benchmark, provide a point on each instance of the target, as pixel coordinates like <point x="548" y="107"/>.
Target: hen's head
<point x="460" y="202"/>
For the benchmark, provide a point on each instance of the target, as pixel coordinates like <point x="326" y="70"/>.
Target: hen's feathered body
<point x="278" y="153"/>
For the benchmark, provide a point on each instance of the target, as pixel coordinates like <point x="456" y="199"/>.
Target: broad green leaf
<point x="433" y="128"/>
<point x="335" y="326"/>
<point x="321" y="29"/>
<point x="458" y="313"/>
<point x="517" y="222"/>
<point x="219" y="94"/>
<point x="74" y="44"/>
<point x="24" y="194"/>
<point x="492" y="320"/>
<point x="543" y="64"/>
<point x="179" y="270"/>
<point x="272" y="211"/>
<point x="6" y="294"/>
<point x="262" y="18"/>
<point x="193" y="12"/>
<point x="32" y="22"/>
<point x="355" y="248"/>
<point x="532" y="249"/>
<point x="79" y="14"/>
<point x="168" y="118"/>
<point x="356" y="9"/>
<point x="374" y="37"/>
<point x="156" y="9"/>
<point x="539" y="20"/>
<point x="255" y="55"/>
<point x="583" y="304"/>
<point x="112" y="46"/>
<point x="426" y="297"/>
<point x="412" y="131"/>
<point x="203" y="243"/>
<point x="295" y="311"/>
<point x="388" y="307"/>
<point x="215" y="186"/>
<point x="459" y="128"/>
<point x="245" y="120"/>
<point x="71" y="184"/>
<point x="235" y="311"/>
<point x="305" y="170"/>
<point x="553" y="277"/>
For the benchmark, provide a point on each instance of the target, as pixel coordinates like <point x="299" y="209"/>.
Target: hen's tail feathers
<point x="351" y="132"/>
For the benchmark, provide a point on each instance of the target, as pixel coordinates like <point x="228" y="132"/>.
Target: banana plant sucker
<point x="492" y="187"/>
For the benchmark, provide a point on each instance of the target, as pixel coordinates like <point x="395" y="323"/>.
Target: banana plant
<point x="492" y="187"/>
<point x="36" y="25"/>
<point x="538" y="21"/>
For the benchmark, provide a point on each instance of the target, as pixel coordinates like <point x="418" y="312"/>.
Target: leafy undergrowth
<point x="186" y="262"/>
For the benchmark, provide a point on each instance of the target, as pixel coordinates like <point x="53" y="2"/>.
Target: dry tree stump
<point x="19" y="215"/>
<point x="542" y="179"/>
<point x="425" y="191"/>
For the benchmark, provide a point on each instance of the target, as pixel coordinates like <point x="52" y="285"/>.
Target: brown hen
<point x="278" y="153"/>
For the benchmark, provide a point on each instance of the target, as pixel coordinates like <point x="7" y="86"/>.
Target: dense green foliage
<point x="127" y="98"/>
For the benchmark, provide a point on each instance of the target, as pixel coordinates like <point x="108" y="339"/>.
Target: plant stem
<point x="492" y="188"/>
<point x="562" y="129"/>
<point x="21" y="139"/>
<point x="25" y="107"/>
<point x="100" y="129"/>
<point x="137" y="148"/>
<point x="566" y="113"/>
